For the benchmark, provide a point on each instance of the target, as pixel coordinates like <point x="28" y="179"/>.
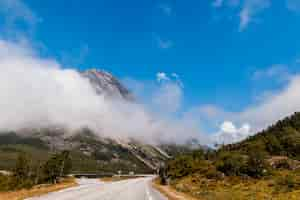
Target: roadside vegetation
<point x="37" y="190"/>
<point x="264" y="166"/>
<point x="27" y="173"/>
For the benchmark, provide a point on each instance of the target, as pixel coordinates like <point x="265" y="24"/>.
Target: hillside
<point x="282" y="138"/>
<point x="88" y="154"/>
<point x="262" y="166"/>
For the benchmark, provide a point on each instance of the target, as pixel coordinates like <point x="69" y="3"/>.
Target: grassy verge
<point x="169" y="192"/>
<point x="280" y="186"/>
<point x="37" y="190"/>
<point x="117" y="178"/>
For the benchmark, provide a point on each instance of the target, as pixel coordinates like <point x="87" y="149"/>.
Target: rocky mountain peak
<point x="105" y="83"/>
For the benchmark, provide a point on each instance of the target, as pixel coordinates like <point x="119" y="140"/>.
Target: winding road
<point x="93" y="189"/>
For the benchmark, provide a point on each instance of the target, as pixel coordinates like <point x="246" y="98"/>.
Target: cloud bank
<point x="256" y="117"/>
<point x="38" y="92"/>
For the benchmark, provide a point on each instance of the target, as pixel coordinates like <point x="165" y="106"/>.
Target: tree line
<point x="28" y="173"/>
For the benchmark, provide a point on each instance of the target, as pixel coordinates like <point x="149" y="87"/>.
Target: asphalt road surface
<point x="92" y="189"/>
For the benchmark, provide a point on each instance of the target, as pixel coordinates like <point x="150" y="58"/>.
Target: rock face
<point x="105" y="83"/>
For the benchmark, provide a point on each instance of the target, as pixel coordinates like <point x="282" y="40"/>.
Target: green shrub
<point x="22" y="173"/>
<point x="231" y="164"/>
<point x="4" y="182"/>
<point x="256" y="165"/>
<point x="214" y="174"/>
<point x="179" y="167"/>
<point x="57" y="166"/>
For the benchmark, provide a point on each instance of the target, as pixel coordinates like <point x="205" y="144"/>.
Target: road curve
<point x="92" y="189"/>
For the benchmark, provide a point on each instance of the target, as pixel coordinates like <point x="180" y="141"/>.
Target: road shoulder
<point x="37" y="190"/>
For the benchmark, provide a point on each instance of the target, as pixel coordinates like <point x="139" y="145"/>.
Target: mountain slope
<point x="282" y="138"/>
<point x="90" y="152"/>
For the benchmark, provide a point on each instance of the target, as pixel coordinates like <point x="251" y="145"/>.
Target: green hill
<point x="282" y="138"/>
<point x="260" y="167"/>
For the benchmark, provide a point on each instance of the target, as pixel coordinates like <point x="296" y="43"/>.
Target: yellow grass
<point x="234" y="188"/>
<point x="37" y="190"/>
<point x="171" y="193"/>
<point x="117" y="178"/>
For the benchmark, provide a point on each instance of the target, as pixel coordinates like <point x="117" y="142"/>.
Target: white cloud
<point x="293" y="5"/>
<point x="37" y="92"/>
<point x="228" y="127"/>
<point x="259" y="116"/>
<point x="277" y="71"/>
<point x="168" y="98"/>
<point x="229" y="133"/>
<point x="275" y="107"/>
<point x="249" y="10"/>
<point x="162" y="76"/>
<point x="177" y="79"/>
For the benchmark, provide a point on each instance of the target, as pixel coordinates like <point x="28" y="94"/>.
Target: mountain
<point x="105" y="83"/>
<point x="89" y="152"/>
<point x="282" y="138"/>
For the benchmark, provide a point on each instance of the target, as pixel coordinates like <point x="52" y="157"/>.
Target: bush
<point x="4" y="182"/>
<point x="179" y="167"/>
<point x="256" y="165"/>
<point x="231" y="164"/>
<point x="214" y="174"/>
<point x="188" y="164"/>
<point x="162" y="175"/>
<point x="26" y="175"/>
<point x="57" y="166"/>
<point x="22" y="173"/>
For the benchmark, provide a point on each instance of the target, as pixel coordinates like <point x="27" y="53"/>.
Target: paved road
<point x="92" y="189"/>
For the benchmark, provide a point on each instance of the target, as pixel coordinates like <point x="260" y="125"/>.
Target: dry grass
<point x="171" y="193"/>
<point x="117" y="178"/>
<point x="234" y="188"/>
<point x="37" y="190"/>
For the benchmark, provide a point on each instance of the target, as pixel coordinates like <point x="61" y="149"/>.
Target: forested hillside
<point x="282" y="138"/>
<point x="262" y="166"/>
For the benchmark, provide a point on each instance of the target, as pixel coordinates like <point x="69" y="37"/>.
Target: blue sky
<point x="227" y="53"/>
